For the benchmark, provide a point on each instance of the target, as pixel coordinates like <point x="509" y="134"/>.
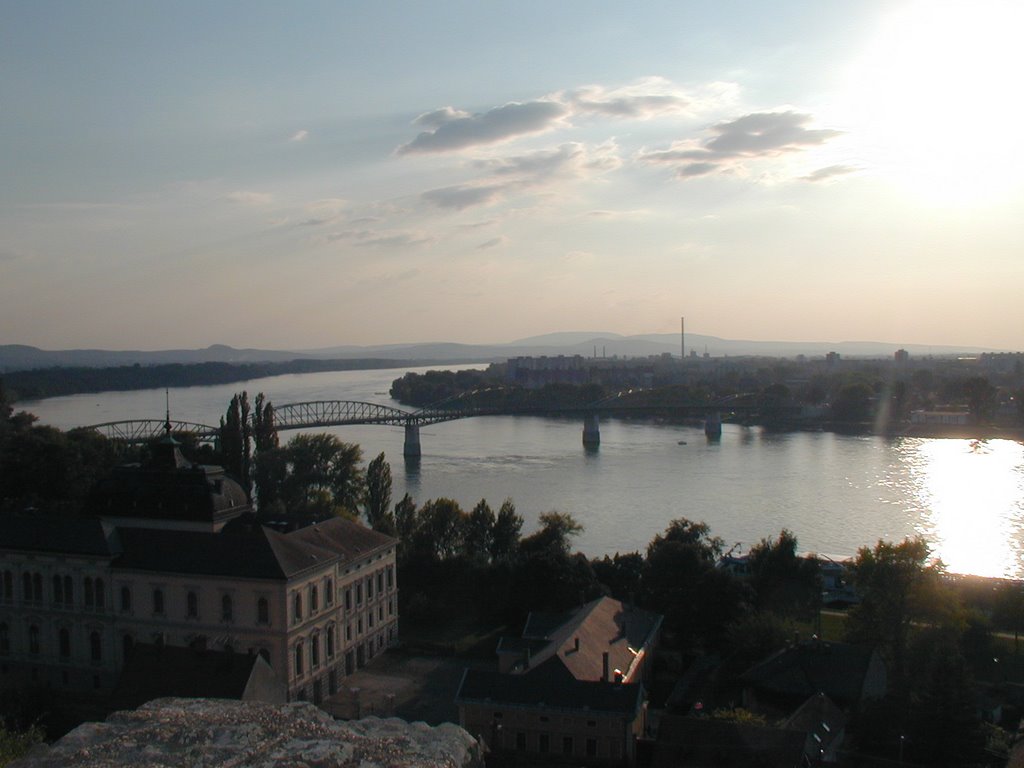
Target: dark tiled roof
<point x="808" y="668"/>
<point x="155" y="671"/>
<point x="347" y="538"/>
<point x="538" y="690"/>
<point x="243" y="548"/>
<point x="702" y="742"/>
<point x="34" y="533"/>
<point x="820" y="718"/>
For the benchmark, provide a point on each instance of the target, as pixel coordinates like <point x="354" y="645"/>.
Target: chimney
<point x="604" y="667"/>
<point x="576" y="644"/>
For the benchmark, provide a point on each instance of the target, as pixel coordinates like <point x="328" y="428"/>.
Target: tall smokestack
<point x="604" y="667"/>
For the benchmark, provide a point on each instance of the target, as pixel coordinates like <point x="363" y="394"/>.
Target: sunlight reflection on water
<point x="970" y="495"/>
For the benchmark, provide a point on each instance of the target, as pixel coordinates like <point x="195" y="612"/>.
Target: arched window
<point x="87" y="591"/>
<point x="314" y="599"/>
<point x="5" y="639"/>
<point x="33" y="640"/>
<point x="297" y="607"/>
<point x="126" y="599"/>
<point x="8" y="586"/>
<point x="226" y="608"/>
<point x="158" y="601"/>
<point x="330" y="641"/>
<point x="101" y="598"/>
<point x="26" y="586"/>
<point x="127" y="644"/>
<point x="262" y="611"/>
<point x="95" y="647"/>
<point x="58" y="589"/>
<point x="329" y="591"/>
<point x="193" y="605"/>
<point x="69" y="590"/>
<point x="314" y="651"/>
<point x="64" y="642"/>
<point x="299" y="670"/>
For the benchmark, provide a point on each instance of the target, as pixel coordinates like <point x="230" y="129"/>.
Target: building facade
<point x="171" y="553"/>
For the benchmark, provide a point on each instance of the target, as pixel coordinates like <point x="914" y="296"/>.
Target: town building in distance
<point x="170" y="553"/>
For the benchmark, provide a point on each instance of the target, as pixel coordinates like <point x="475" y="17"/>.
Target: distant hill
<point x="18" y="357"/>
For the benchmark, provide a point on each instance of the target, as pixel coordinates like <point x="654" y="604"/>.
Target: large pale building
<point x="171" y="553"/>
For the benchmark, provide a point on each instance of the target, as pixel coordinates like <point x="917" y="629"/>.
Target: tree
<point x="440" y="533"/>
<point x="852" y="404"/>
<point x="480" y="531"/>
<point x="980" y="396"/>
<point x="505" y="533"/>
<point x="781" y="581"/>
<point x="556" y="532"/>
<point x="898" y="586"/>
<point x="268" y="460"/>
<point x="622" y="574"/>
<point x="688" y="532"/>
<point x="405" y="521"/>
<point x="378" y="496"/>
<point x="235" y="433"/>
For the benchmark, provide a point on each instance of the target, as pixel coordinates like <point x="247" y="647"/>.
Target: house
<point x="847" y="674"/>
<point x="824" y="725"/>
<point x="170" y="553"/>
<point x="571" y="686"/>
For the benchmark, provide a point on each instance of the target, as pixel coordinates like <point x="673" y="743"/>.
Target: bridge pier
<point x="713" y="425"/>
<point x="591" y="430"/>
<point x="411" y="449"/>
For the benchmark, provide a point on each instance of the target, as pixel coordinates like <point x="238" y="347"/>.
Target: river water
<point x="835" y="492"/>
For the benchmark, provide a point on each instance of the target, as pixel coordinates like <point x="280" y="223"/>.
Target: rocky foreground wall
<point x="195" y="733"/>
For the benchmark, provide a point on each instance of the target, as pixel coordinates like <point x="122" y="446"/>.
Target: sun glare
<point x="935" y="100"/>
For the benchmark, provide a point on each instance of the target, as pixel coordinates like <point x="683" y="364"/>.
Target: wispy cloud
<point x="299" y="136"/>
<point x="647" y="98"/>
<point x="452" y="129"/>
<point x="756" y="135"/>
<point x="494" y="242"/>
<point x="829" y="172"/>
<point x="368" y="238"/>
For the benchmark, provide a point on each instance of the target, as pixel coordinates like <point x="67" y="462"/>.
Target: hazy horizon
<point x="308" y="175"/>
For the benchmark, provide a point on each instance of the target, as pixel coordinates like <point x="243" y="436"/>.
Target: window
<point x="69" y="590"/>
<point x="192" y="609"/>
<point x="391" y="576"/>
<point x="101" y="599"/>
<point x="297" y="607"/>
<point x="8" y="586"/>
<point x="37" y="587"/>
<point x="262" y="611"/>
<point x="380" y="581"/>
<point x="299" y="670"/>
<point x="380" y="613"/>
<point x="127" y="644"/>
<point x="158" y="601"/>
<point x="64" y="642"/>
<point x="391" y="606"/>
<point x="359" y="626"/>
<point x="329" y="591"/>
<point x="226" y="609"/>
<point x="359" y="594"/>
<point x="348" y="631"/>
<point x="520" y="741"/>
<point x="591" y="747"/>
<point x="348" y="599"/>
<point x="126" y="599"/>
<point x="314" y="651"/>
<point x="26" y="586"/>
<point x="330" y="641"/>
<point x="88" y="591"/>
<point x="95" y="648"/>
<point x="58" y="589"/>
<point x="567" y="745"/>
<point x="314" y="599"/>
<point x="33" y="640"/>
<point x="369" y="587"/>
<point x="5" y="639"/>
<point x="544" y="743"/>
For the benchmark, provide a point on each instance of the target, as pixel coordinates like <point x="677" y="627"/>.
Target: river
<point x="835" y="492"/>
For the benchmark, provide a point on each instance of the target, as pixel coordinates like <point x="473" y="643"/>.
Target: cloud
<point x="829" y="172"/>
<point x="494" y="242"/>
<point x="647" y="98"/>
<point x="454" y="130"/>
<point x="754" y="136"/>
<point x="531" y="170"/>
<point x="367" y="238"/>
<point x="299" y="136"/>
<point x="245" y="197"/>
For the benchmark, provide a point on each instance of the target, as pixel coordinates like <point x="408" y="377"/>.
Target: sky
<point x="309" y="174"/>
